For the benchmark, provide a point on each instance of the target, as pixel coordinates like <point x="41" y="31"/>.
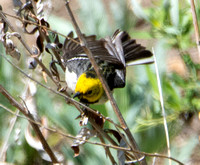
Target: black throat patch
<point x="91" y="74"/>
<point x="85" y="101"/>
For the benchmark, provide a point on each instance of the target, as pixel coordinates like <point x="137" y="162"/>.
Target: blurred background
<point x="167" y="27"/>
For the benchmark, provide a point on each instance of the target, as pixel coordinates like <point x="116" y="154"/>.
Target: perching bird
<point x="112" y="54"/>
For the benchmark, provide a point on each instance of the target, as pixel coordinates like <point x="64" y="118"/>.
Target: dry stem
<point x="163" y="108"/>
<point x="35" y="127"/>
<point x="28" y="48"/>
<point x="87" y="141"/>
<point x="85" y="47"/>
<point x="196" y="27"/>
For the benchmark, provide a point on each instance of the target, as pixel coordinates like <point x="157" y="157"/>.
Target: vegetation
<point x="165" y="26"/>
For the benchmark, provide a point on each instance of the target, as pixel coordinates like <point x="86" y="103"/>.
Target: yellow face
<point x="89" y="89"/>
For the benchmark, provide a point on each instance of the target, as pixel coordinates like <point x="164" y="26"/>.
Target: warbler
<point x="112" y="54"/>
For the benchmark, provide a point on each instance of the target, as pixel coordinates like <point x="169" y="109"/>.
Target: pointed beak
<point x="77" y="94"/>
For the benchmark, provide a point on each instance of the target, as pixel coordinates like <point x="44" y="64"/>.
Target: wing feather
<point x="98" y="48"/>
<point x="118" y="50"/>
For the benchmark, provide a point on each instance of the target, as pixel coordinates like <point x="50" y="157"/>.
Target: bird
<point x="112" y="54"/>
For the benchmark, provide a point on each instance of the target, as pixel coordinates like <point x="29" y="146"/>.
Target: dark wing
<point x="128" y="48"/>
<point x="72" y="49"/>
<point x="120" y="49"/>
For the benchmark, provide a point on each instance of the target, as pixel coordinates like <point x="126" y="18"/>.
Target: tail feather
<point x="132" y="51"/>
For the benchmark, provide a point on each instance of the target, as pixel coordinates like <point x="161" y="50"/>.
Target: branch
<point x="28" y="48"/>
<point x="5" y="144"/>
<point x="107" y="150"/>
<point x="85" y="47"/>
<point x="41" y="26"/>
<point x="162" y="107"/>
<point x="35" y="127"/>
<point x="196" y="27"/>
<point x="53" y="130"/>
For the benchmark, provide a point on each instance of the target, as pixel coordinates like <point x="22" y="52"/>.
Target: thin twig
<point x="9" y="132"/>
<point x="107" y="149"/>
<point x="154" y="161"/>
<point x="99" y="129"/>
<point x="41" y="26"/>
<point x="28" y="48"/>
<point x="196" y="27"/>
<point x="162" y="107"/>
<point x="5" y="144"/>
<point x="85" y="47"/>
<point x="64" y="134"/>
<point x="53" y="130"/>
<point x="35" y="127"/>
<point x="71" y="100"/>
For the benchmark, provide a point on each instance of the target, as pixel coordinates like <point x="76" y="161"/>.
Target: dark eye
<point x="89" y="92"/>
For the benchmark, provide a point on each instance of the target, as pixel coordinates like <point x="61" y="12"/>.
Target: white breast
<point x="71" y="79"/>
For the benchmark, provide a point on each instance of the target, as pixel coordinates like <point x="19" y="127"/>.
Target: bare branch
<point x="85" y="47"/>
<point x="5" y="144"/>
<point x="107" y="151"/>
<point x="196" y="27"/>
<point x="87" y="141"/>
<point x="34" y="126"/>
<point x="38" y="25"/>
<point x="28" y="48"/>
<point x="162" y="107"/>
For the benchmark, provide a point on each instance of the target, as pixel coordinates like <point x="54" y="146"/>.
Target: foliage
<point x="165" y="25"/>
